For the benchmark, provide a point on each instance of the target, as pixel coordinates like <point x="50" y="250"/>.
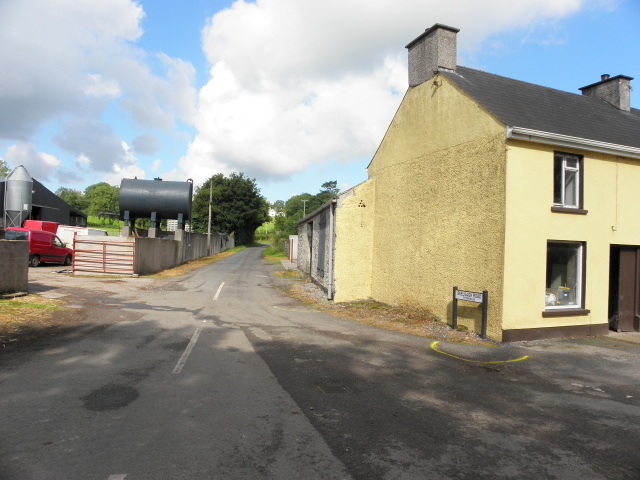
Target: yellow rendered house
<point x="485" y="183"/>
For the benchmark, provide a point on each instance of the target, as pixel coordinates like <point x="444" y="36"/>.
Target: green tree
<point x="102" y="197"/>
<point x="299" y="206"/>
<point x="237" y="207"/>
<point x="329" y="189"/>
<point x="294" y="209"/>
<point x="75" y="198"/>
<point x="4" y="168"/>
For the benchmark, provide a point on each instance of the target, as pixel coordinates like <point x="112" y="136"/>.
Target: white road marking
<point x="215" y="297"/>
<point x="187" y="352"/>
<point x="119" y="476"/>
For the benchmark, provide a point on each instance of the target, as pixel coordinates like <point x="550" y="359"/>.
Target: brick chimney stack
<point x="614" y="90"/>
<point x="432" y="51"/>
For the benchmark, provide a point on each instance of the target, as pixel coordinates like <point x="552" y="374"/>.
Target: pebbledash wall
<point x="353" y="257"/>
<point x="440" y="205"/>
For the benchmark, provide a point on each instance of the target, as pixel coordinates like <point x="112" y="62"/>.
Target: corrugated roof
<point x="525" y="105"/>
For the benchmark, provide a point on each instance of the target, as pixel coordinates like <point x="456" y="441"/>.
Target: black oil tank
<point x="166" y="199"/>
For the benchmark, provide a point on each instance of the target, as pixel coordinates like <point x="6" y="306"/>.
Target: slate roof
<point x="525" y="105"/>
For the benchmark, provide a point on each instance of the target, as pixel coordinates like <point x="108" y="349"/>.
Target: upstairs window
<point x="567" y="180"/>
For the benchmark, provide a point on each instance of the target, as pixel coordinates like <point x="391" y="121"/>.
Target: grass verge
<point x="273" y="255"/>
<point x="22" y="315"/>
<point x="380" y="315"/>
<point x="288" y="274"/>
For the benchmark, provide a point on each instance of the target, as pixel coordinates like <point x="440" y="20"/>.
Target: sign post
<point x="482" y="298"/>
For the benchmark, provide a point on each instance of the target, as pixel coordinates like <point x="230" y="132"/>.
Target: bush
<point x="262" y="238"/>
<point x="276" y="248"/>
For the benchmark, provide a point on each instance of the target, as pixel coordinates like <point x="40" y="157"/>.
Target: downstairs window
<point x="565" y="275"/>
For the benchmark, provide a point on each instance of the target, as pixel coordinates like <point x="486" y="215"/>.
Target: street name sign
<point x="469" y="296"/>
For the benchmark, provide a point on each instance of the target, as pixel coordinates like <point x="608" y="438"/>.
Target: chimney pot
<point x="604" y="76"/>
<point x="431" y="52"/>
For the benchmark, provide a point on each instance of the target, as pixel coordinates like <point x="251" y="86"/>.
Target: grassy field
<point x="112" y="227"/>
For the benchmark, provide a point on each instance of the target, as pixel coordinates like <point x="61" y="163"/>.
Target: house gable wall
<point x="432" y="117"/>
<point x="440" y="205"/>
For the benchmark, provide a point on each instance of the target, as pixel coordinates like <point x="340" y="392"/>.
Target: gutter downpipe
<point x="529" y="135"/>
<point x="331" y="246"/>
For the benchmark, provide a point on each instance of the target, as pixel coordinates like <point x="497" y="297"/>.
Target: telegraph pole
<point x="209" y="228"/>
<point x="304" y="208"/>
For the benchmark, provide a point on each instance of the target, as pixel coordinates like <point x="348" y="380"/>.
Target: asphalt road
<point x="217" y="375"/>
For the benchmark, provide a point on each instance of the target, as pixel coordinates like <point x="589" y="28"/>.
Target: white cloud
<point x="46" y="48"/>
<point x="92" y="140"/>
<point x="125" y="168"/>
<point x="96" y="86"/>
<point x="40" y="165"/>
<point x="298" y="82"/>
<point x="66" y="62"/>
<point x="178" y="91"/>
<point x="123" y="171"/>
<point x="157" y="101"/>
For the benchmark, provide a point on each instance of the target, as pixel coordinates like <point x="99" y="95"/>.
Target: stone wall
<point x="315" y="246"/>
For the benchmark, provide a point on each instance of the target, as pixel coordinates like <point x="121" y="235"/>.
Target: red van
<point x="43" y="246"/>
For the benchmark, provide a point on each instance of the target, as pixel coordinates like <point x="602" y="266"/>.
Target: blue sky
<point x="292" y="93"/>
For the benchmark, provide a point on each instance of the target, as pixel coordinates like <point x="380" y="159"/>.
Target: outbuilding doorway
<point x="624" y="288"/>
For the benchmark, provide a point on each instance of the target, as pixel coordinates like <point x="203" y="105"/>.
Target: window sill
<point x="576" y="211"/>
<point x="566" y="312"/>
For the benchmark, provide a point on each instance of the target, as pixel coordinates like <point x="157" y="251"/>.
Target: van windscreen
<point x="16" y="235"/>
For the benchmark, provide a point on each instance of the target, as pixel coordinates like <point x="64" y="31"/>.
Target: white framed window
<point x="567" y="180"/>
<point x="565" y="275"/>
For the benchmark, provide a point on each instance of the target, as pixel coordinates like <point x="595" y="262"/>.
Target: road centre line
<point x="187" y="352"/>
<point x="215" y="297"/>
<point x="119" y="476"/>
<point x="434" y="347"/>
